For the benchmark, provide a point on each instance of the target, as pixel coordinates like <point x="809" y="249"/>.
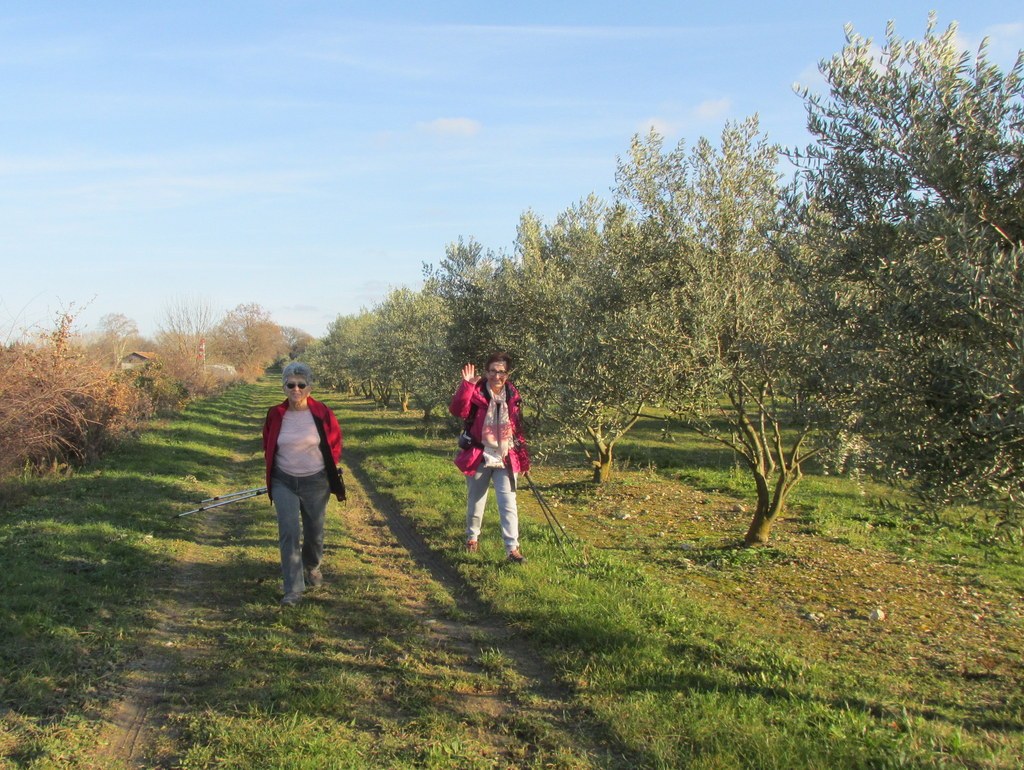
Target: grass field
<point x="134" y="638"/>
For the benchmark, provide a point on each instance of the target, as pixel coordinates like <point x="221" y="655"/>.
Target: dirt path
<point x="497" y="676"/>
<point x="137" y="722"/>
<point x="378" y="529"/>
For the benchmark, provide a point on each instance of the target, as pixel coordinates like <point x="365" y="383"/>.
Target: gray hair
<point x="297" y="369"/>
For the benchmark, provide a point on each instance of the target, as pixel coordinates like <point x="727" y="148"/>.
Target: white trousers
<point x="477" y="487"/>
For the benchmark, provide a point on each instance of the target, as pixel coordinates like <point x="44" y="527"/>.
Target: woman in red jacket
<point x="497" y="451"/>
<point x="302" y="448"/>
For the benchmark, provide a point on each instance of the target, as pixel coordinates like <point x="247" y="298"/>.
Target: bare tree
<point x="116" y="333"/>
<point x="186" y="324"/>
<point x="248" y="339"/>
<point x="297" y="341"/>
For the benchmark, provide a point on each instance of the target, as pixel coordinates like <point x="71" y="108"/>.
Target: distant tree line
<point x="66" y="397"/>
<point x="866" y="310"/>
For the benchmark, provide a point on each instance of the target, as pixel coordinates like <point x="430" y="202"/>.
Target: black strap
<point x="335" y="480"/>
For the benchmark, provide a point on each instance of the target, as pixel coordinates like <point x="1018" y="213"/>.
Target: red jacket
<point x="466" y="396"/>
<point x="330" y="441"/>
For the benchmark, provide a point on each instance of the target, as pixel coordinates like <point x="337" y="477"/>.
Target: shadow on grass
<point x="470" y="602"/>
<point x="79" y="568"/>
<point x="85" y="556"/>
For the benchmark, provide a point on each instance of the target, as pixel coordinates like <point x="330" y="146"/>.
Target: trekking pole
<point x="219" y="500"/>
<point x="549" y="515"/>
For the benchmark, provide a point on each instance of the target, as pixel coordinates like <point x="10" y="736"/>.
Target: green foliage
<point x="337" y="358"/>
<point x="914" y="184"/>
<point x="463" y="282"/>
<point x="166" y="394"/>
<point x="587" y="362"/>
<point x="406" y="345"/>
<point x="734" y="362"/>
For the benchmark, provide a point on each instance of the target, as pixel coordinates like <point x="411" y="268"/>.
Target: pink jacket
<point x="330" y="442"/>
<point x="466" y="396"/>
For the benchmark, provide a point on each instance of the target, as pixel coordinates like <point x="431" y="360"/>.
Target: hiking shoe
<point x="315" y="577"/>
<point x="515" y="557"/>
<point x="290" y="600"/>
<point x="472" y="546"/>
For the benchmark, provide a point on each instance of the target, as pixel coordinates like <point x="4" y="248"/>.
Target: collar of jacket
<point x="318" y="409"/>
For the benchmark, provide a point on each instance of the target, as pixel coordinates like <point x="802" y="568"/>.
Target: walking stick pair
<point x="561" y="536"/>
<point x="219" y="500"/>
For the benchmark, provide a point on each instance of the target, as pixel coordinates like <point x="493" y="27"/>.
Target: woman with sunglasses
<point x="302" y="447"/>
<point x="495" y="451"/>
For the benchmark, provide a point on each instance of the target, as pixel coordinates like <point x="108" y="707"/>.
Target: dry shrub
<point x="57" y="408"/>
<point x="205" y="383"/>
<point x="166" y="394"/>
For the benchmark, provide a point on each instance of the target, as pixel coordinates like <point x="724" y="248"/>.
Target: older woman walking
<point x="302" y="448"/>
<point x="497" y="452"/>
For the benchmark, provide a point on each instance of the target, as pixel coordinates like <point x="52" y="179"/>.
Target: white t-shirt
<point x="298" y="445"/>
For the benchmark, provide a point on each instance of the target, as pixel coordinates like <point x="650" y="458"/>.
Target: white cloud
<point x="451" y="127"/>
<point x="679" y="119"/>
<point x="661" y="126"/>
<point x="713" y="109"/>
<point x="811" y="79"/>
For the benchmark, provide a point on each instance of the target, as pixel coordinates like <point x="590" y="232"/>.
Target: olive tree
<point x="409" y="335"/>
<point x="917" y="200"/>
<point x="586" y="363"/>
<point x="464" y="283"/>
<point x="335" y="356"/>
<point x="736" y="365"/>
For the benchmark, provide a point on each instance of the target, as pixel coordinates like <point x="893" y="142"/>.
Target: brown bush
<point x="57" y="408"/>
<point x="166" y="394"/>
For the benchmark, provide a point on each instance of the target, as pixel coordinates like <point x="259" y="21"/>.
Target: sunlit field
<point x="856" y="638"/>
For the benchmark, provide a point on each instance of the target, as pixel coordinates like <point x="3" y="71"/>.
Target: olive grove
<point x="873" y="300"/>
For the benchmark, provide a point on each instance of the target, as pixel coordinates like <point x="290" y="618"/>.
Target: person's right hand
<point x="469" y="374"/>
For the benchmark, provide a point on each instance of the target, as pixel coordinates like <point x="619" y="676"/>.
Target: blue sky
<point x="309" y="156"/>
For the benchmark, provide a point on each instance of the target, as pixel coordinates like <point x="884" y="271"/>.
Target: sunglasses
<point x="293" y="385"/>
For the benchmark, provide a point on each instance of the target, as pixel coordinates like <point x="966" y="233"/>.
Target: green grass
<point x="674" y="680"/>
<point x="674" y="648"/>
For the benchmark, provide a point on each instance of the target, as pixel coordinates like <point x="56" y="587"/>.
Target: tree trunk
<point x="761" y="524"/>
<point x="759" y="529"/>
<point x="770" y="505"/>
<point x="603" y="462"/>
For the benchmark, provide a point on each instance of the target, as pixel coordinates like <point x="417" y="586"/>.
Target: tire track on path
<point x="538" y="694"/>
<point x="133" y="728"/>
